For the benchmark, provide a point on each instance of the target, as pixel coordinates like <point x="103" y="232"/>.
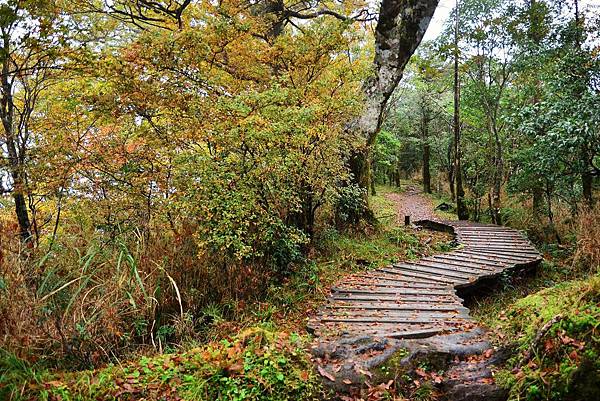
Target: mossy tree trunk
<point x="400" y="29"/>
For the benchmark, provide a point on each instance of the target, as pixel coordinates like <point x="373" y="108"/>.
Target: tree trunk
<point x="400" y="28"/>
<point x="373" y="191"/>
<point x="497" y="185"/>
<point x="450" y="170"/>
<point x="15" y="161"/>
<point x="460" y="192"/>
<point x="586" y="183"/>
<point x="538" y="201"/>
<point x="426" y="157"/>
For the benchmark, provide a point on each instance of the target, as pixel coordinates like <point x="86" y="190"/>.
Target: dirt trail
<point x="412" y="202"/>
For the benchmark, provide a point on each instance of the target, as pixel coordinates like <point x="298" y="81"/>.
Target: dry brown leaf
<point x="326" y="374"/>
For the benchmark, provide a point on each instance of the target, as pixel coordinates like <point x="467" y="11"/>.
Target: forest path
<point x="413" y="306"/>
<point x="417" y="298"/>
<point x="412" y="202"/>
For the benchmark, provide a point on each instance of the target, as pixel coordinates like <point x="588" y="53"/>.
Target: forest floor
<point x="261" y="351"/>
<point x="412" y="202"/>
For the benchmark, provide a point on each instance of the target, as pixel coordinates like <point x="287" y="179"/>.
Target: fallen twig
<point x="538" y="337"/>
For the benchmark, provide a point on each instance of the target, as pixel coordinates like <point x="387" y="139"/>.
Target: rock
<point x="353" y="360"/>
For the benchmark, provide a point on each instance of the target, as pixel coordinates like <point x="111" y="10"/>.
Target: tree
<point x="400" y="28"/>
<point x="30" y="48"/>
<point x="460" y="193"/>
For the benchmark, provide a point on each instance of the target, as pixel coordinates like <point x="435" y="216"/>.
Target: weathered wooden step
<point x="441" y="271"/>
<point x="465" y="266"/>
<point x="396" y="298"/>
<point x="403" y="306"/>
<point x="502" y="260"/>
<point x="396" y="314"/>
<point x="452" y="258"/>
<point x="393" y="277"/>
<point x="380" y="290"/>
<point x="506" y="252"/>
<point x="379" y="282"/>
<point x="390" y="320"/>
<point x="437" y="278"/>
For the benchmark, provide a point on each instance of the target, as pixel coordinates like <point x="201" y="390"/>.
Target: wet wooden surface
<point x="417" y="299"/>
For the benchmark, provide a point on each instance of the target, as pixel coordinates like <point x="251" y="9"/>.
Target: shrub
<point x="255" y="365"/>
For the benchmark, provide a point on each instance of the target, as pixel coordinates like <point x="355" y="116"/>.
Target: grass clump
<point x="255" y="365"/>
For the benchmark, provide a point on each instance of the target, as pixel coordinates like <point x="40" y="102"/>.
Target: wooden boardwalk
<point x="417" y="299"/>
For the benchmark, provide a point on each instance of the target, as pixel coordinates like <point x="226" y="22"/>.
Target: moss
<point x="565" y="362"/>
<point x="394" y="367"/>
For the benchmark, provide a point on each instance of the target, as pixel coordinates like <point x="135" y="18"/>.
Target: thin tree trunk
<point x="15" y="163"/>
<point x="451" y="171"/>
<point x="460" y="193"/>
<point x="587" y="185"/>
<point x="426" y="157"/>
<point x="497" y="185"/>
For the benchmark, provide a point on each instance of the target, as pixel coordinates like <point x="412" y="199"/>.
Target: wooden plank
<point x="387" y="280"/>
<point x="441" y="279"/>
<point x="475" y="232"/>
<point x="527" y="250"/>
<point x="456" y="258"/>
<point x="514" y="260"/>
<point x="393" y="331"/>
<point x="500" y="259"/>
<point x="404" y="306"/>
<point x="379" y="290"/>
<point x="388" y="320"/>
<point x="395" y="298"/>
<point x="442" y="271"/>
<point x="508" y="252"/>
<point x="479" y="258"/>
<point x="441" y="259"/>
<point x="492" y="244"/>
<point x="395" y="314"/>
<point x="395" y="277"/>
<point x="460" y="268"/>
<point x="490" y="237"/>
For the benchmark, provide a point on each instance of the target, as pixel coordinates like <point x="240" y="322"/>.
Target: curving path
<point x="418" y="299"/>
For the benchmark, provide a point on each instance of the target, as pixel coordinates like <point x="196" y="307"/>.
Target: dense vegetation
<point x="529" y="121"/>
<point x="182" y="181"/>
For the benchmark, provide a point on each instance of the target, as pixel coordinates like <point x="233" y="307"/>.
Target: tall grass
<point x="588" y="239"/>
<point x="92" y="298"/>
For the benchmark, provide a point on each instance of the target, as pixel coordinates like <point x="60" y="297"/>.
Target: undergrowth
<point x="254" y="365"/>
<point x="177" y="335"/>
<point x="563" y="362"/>
<point x="550" y="321"/>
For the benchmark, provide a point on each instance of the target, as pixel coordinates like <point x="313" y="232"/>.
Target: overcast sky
<point x="442" y="12"/>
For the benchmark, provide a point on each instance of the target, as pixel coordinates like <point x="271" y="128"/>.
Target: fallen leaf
<point x="326" y="374"/>
<point x="304" y="375"/>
